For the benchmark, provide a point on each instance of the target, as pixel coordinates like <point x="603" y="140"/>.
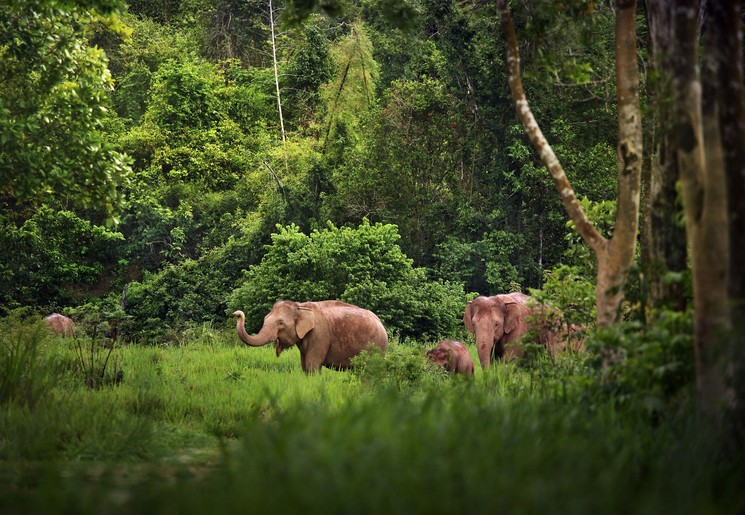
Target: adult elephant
<point x="60" y="324"/>
<point x="328" y="333"/>
<point x="497" y="322"/>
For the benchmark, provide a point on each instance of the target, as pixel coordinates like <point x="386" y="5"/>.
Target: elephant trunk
<point x="485" y="343"/>
<point x="264" y="336"/>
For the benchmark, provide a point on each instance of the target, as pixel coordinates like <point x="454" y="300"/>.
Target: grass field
<point x="213" y="427"/>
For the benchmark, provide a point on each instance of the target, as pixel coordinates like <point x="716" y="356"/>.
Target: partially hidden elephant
<point x="453" y="356"/>
<point x="60" y="324"/>
<point x="328" y="333"/>
<point x="498" y="323"/>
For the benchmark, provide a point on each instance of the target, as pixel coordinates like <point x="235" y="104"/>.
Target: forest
<point x="167" y="164"/>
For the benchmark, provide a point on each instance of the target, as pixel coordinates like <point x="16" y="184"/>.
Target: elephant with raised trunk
<point x="498" y="323"/>
<point x="328" y="333"/>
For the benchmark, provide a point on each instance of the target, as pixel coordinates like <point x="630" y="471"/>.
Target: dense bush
<point x="573" y="293"/>
<point x="652" y="364"/>
<point x="55" y="254"/>
<point x="484" y="264"/>
<point x="403" y="367"/>
<point x="363" y="266"/>
<point x="168" y="301"/>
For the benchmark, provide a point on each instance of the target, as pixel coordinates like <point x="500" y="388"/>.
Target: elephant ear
<point x="467" y="318"/>
<point x="306" y="321"/>
<point x="512" y="316"/>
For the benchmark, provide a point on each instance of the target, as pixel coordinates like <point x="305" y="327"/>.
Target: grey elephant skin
<point x="328" y="333"/>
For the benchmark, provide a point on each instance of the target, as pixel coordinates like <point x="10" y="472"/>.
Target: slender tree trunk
<point x="663" y="237"/>
<point x="622" y="245"/>
<point x="724" y="47"/>
<point x="615" y="256"/>
<point x="276" y="72"/>
<point x="698" y="148"/>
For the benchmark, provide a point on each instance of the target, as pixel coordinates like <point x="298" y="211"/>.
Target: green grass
<point x="215" y="427"/>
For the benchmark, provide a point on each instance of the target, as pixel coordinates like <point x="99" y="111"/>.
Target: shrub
<point x="170" y="299"/>
<point x="574" y="294"/>
<point x="652" y="364"/>
<point x="54" y="252"/>
<point x="364" y="266"/>
<point x="95" y="341"/>
<point x="403" y="368"/>
<point x="183" y="96"/>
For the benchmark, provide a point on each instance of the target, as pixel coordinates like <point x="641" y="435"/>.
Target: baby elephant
<point x="453" y="356"/>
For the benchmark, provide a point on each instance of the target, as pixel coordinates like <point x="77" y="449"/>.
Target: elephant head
<point x="497" y="322"/>
<point x="285" y="325"/>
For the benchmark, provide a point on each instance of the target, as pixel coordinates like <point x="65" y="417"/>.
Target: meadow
<point x="210" y="426"/>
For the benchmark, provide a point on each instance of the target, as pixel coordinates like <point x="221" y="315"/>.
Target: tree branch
<point x="586" y="229"/>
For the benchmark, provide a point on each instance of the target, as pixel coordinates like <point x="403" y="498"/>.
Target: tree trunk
<point x="276" y="72"/>
<point x="723" y="47"/>
<point x="663" y="237"/>
<point x="622" y="245"/>
<point x="615" y="256"/>
<point x="698" y="147"/>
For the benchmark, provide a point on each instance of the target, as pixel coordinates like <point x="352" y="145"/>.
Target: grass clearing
<point x="211" y="426"/>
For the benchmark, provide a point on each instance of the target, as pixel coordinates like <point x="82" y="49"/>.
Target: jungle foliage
<point x="177" y="180"/>
<point x="146" y="191"/>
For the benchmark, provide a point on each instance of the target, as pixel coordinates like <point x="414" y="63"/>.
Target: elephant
<point x="453" y="356"/>
<point x="328" y="333"/>
<point x="498" y="323"/>
<point x="60" y="324"/>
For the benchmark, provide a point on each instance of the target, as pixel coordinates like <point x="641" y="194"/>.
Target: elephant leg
<point x="312" y="356"/>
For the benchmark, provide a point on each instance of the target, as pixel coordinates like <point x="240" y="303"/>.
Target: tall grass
<point x="215" y="427"/>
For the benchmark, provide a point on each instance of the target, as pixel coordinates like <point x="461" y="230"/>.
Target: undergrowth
<point x="214" y="426"/>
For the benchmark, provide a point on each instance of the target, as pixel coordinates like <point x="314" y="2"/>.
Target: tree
<point x="55" y="97"/>
<point x="698" y="147"/>
<point x="710" y="123"/>
<point x="276" y="72"/>
<point x="663" y="236"/>
<point x="726" y="50"/>
<point x="615" y="255"/>
<point x="707" y="139"/>
<point x="353" y="88"/>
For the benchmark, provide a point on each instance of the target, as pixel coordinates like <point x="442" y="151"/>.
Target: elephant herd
<point x="330" y="333"/>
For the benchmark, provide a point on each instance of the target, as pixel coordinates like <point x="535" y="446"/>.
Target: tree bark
<point x="698" y="149"/>
<point x="615" y="256"/>
<point x="663" y="238"/>
<point x="724" y="48"/>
